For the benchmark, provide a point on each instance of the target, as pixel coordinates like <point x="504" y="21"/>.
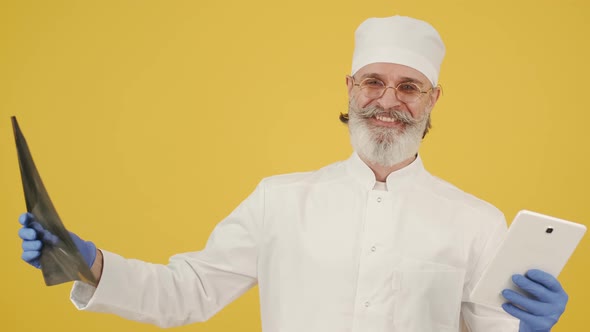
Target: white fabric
<point x="329" y="254"/>
<point x="380" y="186"/>
<point x="402" y="40"/>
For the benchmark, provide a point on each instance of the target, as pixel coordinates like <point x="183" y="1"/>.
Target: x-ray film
<point x="61" y="261"/>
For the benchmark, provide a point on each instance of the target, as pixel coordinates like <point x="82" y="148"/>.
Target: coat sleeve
<point x="477" y="317"/>
<point x="193" y="286"/>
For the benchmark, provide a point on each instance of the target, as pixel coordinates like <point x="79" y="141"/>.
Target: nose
<point x="389" y="99"/>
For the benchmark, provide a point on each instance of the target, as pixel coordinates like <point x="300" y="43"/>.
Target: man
<point x="373" y="243"/>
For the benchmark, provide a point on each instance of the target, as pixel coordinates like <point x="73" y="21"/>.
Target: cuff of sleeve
<point x="87" y="297"/>
<point x="81" y="294"/>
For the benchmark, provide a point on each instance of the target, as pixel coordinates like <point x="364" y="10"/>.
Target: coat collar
<point x="362" y="173"/>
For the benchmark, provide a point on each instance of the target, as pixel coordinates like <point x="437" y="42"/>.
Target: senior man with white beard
<point x="373" y="243"/>
<point x="386" y="128"/>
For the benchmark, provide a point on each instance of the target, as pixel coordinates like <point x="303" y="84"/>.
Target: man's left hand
<point x="542" y="310"/>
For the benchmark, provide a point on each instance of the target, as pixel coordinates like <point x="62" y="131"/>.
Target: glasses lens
<point x="372" y="87"/>
<point x="408" y="92"/>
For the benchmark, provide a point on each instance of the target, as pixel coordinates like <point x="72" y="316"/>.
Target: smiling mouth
<point x="385" y="118"/>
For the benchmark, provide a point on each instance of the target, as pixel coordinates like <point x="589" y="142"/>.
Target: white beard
<point x="382" y="145"/>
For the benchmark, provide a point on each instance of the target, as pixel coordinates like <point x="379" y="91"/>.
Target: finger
<point x="30" y="256"/>
<point x="536" y="323"/>
<point x="534" y="307"/>
<point x="545" y="279"/>
<point x="27" y="234"/>
<point x="49" y="238"/>
<point x="26" y="218"/>
<point x="37" y="227"/>
<point x="519" y="313"/>
<point x="45" y="235"/>
<point x="32" y="245"/>
<point x="537" y="290"/>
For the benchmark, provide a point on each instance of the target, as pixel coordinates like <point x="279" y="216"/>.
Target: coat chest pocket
<point x="428" y="300"/>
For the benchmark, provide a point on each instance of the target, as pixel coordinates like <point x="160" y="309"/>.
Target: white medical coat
<point x="328" y="253"/>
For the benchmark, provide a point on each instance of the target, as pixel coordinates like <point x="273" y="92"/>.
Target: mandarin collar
<point x="363" y="174"/>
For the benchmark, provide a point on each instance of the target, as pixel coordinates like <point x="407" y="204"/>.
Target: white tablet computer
<point x="533" y="241"/>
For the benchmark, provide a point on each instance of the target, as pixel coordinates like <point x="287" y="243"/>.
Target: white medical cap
<point x="402" y="40"/>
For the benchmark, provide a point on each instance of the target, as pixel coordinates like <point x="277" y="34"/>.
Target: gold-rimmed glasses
<point x="406" y="92"/>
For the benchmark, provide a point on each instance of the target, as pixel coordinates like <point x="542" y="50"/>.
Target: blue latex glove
<point x="34" y="236"/>
<point x="543" y="311"/>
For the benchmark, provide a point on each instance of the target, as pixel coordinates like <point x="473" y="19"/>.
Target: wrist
<point x="96" y="267"/>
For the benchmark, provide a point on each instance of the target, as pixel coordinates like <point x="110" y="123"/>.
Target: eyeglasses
<point x="406" y="92"/>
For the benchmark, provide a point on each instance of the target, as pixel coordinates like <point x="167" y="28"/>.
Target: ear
<point x="349" y="85"/>
<point x="433" y="98"/>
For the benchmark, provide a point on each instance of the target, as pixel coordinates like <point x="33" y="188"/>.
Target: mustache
<point x="371" y="111"/>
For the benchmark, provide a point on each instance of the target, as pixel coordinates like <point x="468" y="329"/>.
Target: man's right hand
<point x="34" y="236"/>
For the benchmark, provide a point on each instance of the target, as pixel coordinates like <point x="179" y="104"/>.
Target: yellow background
<point x="150" y="121"/>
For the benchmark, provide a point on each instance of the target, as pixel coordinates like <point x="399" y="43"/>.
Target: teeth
<point x="384" y="118"/>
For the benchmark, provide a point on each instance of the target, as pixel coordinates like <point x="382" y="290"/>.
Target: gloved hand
<point x="34" y="237"/>
<point x="542" y="312"/>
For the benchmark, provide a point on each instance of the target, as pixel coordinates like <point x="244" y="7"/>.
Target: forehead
<point x="392" y="72"/>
